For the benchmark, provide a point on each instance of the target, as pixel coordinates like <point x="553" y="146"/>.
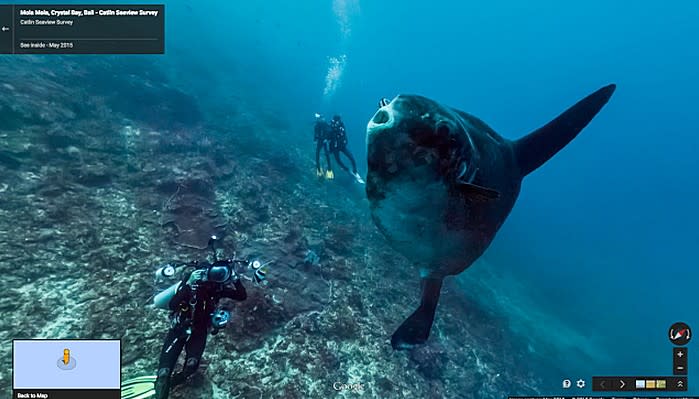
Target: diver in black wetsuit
<point x="321" y="135"/>
<point x="195" y="312"/>
<point x="193" y="302"/>
<point x="338" y="144"/>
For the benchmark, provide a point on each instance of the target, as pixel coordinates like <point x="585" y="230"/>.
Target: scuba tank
<point x="162" y="274"/>
<point x="162" y="300"/>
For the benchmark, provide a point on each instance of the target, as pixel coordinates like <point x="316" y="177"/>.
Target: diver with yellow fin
<point x="322" y="135"/>
<point x="193" y="302"/>
<point x="338" y="144"/>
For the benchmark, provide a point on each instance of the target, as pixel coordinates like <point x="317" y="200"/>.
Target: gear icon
<point x="581" y="383"/>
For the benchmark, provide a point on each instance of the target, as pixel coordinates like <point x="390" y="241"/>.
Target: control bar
<point x="645" y="384"/>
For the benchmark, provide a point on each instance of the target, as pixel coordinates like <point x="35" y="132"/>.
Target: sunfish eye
<point x="442" y="129"/>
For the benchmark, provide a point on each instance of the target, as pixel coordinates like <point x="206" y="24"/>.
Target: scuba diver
<point x="338" y="143"/>
<point x="194" y="313"/>
<point x="322" y="135"/>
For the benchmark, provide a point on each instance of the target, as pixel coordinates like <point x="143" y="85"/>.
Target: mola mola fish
<point x="441" y="182"/>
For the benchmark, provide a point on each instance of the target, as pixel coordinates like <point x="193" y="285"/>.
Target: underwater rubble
<point x="95" y="192"/>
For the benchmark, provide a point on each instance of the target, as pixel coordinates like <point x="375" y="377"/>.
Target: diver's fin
<point x="478" y="193"/>
<point x="534" y="149"/>
<point x="416" y="329"/>
<point x="145" y="378"/>
<point x="139" y="387"/>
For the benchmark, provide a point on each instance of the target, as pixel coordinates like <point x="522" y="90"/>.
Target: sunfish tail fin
<point x="416" y="329"/>
<point x="534" y="149"/>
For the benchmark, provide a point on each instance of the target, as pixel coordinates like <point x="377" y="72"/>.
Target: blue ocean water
<point x="599" y="254"/>
<point x="602" y="242"/>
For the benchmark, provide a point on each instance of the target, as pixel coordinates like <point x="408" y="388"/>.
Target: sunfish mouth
<point x="384" y="118"/>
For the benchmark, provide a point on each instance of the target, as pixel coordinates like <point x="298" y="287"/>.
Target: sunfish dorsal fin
<point x="534" y="149"/>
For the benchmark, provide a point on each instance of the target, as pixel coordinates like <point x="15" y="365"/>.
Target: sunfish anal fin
<point x="416" y="329"/>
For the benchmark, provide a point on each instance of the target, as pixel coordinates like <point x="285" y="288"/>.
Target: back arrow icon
<point x="5" y="28"/>
<point x="623" y="384"/>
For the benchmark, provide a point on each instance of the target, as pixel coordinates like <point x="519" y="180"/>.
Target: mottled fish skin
<point x="441" y="182"/>
<point x="420" y="154"/>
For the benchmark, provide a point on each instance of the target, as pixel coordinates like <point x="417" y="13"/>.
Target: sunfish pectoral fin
<point x="416" y="329"/>
<point x="534" y="149"/>
<point x="478" y="193"/>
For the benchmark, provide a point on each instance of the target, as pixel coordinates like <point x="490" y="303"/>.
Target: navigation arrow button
<point x="623" y="384"/>
<point x="5" y="28"/>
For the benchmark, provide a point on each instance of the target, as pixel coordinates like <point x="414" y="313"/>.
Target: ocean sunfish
<point x="441" y="182"/>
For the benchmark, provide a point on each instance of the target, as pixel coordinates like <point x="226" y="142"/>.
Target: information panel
<point x="82" y="29"/>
